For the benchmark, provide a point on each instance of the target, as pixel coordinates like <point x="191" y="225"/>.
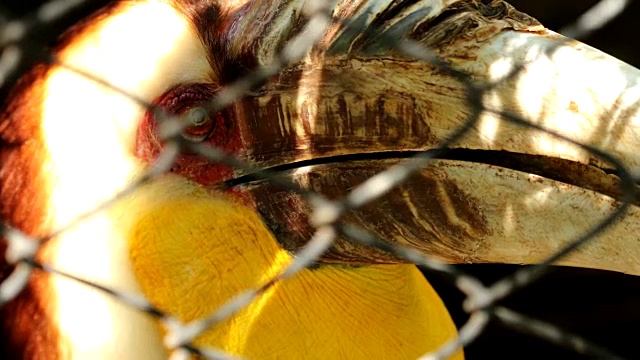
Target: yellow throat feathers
<point x="191" y="251"/>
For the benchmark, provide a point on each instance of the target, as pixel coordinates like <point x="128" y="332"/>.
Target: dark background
<point x="601" y="306"/>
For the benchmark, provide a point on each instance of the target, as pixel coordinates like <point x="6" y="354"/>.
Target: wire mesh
<point x="482" y="303"/>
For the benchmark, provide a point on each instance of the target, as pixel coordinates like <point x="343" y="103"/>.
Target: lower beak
<point x="537" y="152"/>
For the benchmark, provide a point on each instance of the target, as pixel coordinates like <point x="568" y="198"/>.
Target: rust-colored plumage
<point x="354" y="105"/>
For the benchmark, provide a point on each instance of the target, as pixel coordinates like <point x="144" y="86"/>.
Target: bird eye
<point x="200" y="124"/>
<point x="191" y="105"/>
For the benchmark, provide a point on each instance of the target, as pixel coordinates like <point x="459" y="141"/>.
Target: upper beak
<point x="551" y="133"/>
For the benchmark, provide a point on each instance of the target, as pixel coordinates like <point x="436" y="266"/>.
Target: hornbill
<point x="79" y="130"/>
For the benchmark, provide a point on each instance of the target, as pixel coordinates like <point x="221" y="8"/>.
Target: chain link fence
<point x="22" y="39"/>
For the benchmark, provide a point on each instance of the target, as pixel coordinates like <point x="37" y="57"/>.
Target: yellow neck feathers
<point x="192" y="252"/>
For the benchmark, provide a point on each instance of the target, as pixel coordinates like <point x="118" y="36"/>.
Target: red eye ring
<point x="201" y="124"/>
<point x="191" y="104"/>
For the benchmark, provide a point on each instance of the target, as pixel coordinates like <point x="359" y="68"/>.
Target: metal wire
<point x="482" y="302"/>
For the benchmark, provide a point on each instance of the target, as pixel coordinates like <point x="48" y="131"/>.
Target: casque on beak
<point x="353" y="107"/>
<point x="504" y="192"/>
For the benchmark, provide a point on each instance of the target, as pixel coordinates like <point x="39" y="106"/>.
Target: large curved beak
<point x="515" y="188"/>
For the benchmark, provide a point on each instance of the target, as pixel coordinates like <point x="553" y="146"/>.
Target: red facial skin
<point x="221" y="131"/>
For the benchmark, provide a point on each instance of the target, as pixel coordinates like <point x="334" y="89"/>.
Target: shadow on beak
<point x="531" y="137"/>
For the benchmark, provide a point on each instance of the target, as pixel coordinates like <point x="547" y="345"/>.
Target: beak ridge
<point x="506" y="192"/>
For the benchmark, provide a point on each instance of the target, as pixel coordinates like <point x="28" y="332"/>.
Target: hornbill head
<point x="140" y="80"/>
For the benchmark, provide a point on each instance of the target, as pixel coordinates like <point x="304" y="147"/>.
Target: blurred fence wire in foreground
<point x="20" y="47"/>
